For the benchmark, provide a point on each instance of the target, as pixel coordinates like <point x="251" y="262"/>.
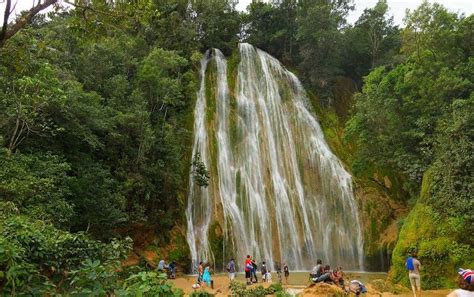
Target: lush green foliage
<point x="452" y="182"/>
<point x="398" y="111"/>
<point x="374" y="40"/>
<point x="240" y="289"/>
<point x="415" y="119"/>
<point x="273" y="28"/>
<point x="148" y="284"/>
<point x="100" y="120"/>
<point x="200" y="173"/>
<point x="37" y="257"/>
<point x="314" y="38"/>
<point x="440" y="224"/>
<point x="95" y="116"/>
<point x="438" y="243"/>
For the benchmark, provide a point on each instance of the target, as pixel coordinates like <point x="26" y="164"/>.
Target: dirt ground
<point x="221" y="288"/>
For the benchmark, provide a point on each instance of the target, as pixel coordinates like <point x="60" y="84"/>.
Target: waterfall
<point x="276" y="189"/>
<point x="199" y="199"/>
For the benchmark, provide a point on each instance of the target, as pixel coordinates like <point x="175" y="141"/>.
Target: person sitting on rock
<point x="162" y="266"/>
<point x="337" y="277"/>
<point x="325" y="276"/>
<point x="317" y="270"/>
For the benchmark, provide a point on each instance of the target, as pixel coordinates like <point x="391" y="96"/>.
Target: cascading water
<point x="199" y="199"/>
<point x="276" y="189"/>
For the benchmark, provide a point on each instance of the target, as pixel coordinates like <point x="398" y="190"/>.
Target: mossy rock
<point x="216" y="243"/>
<point x="436" y="242"/>
<point x="180" y="253"/>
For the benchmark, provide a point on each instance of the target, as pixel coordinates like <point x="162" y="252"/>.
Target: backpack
<point x="409" y="264"/>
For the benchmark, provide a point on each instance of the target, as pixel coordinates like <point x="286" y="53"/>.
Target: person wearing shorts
<point x="413" y="266"/>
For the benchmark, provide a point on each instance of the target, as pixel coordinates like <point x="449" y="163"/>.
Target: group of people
<point x="204" y="276"/>
<point x="322" y="273"/>
<point x="169" y="269"/>
<point x="251" y="268"/>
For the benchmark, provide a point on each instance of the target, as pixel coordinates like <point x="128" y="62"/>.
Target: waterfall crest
<point x="276" y="189"/>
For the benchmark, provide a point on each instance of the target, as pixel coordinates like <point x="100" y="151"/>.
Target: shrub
<point x="36" y="257"/>
<point x="241" y="290"/>
<point x="148" y="284"/>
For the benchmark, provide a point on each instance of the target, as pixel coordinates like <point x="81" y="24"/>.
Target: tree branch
<point x="24" y="20"/>
<point x="6" y="15"/>
<point x="89" y="7"/>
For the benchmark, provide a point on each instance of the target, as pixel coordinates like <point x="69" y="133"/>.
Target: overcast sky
<point x="397" y="7"/>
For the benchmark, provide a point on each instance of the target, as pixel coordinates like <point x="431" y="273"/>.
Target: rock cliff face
<point x="381" y="198"/>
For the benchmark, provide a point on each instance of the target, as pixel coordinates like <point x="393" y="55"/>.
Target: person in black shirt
<point x="287" y="273"/>
<point x="254" y="270"/>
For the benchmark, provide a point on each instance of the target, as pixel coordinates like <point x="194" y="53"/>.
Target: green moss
<point x="180" y="253"/>
<point x="425" y="185"/>
<point x="216" y="242"/>
<point x="435" y="240"/>
<point x="210" y="91"/>
<point x="373" y="228"/>
<point x="232" y="65"/>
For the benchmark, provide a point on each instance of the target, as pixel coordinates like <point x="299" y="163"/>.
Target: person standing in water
<point x="414" y="266"/>
<point x="287" y="273"/>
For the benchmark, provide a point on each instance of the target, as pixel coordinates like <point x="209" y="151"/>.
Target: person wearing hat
<point x="466" y="284"/>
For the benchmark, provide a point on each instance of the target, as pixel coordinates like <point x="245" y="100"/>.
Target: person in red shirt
<point x="248" y="269"/>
